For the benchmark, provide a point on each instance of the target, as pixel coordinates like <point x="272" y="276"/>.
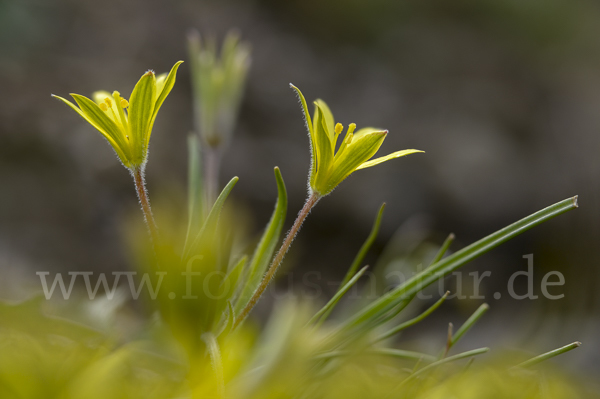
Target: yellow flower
<point x="127" y="125"/>
<point x="329" y="167"/>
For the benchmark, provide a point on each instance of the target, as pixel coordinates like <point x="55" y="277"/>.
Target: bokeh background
<point x="503" y="95"/>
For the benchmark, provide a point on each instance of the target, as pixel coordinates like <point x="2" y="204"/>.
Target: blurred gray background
<point x="503" y="95"/>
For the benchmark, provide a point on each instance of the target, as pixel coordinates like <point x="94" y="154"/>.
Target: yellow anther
<point x="103" y="107"/>
<point x="349" y="137"/>
<point x="338" y="128"/>
<point x="124" y="103"/>
<point x="108" y="102"/>
<point x="351" y="128"/>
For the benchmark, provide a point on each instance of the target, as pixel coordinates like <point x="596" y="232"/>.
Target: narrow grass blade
<point x="413" y="321"/>
<point x="213" y="216"/>
<point x="443" y="249"/>
<point x="449" y="359"/>
<point x="338" y="295"/>
<point x="549" y="355"/>
<point x="229" y="321"/>
<point x="214" y="352"/>
<point x="234" y="275"/>
<point x="266" y="246"/>
<point x="397" y="353"/>
<point x="194" y="187"/>
<point x="402" y="354"/>
<point x="460" y="258"/>
<point x="469" y="323"/>
<point x="448" y="340"/>
<point x="360" y="256"/>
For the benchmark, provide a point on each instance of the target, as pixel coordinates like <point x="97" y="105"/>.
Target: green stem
<point x="310" y="203"/>
<point x="142" y="193"/>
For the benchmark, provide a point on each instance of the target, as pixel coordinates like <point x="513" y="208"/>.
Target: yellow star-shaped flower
<point x="127" y="125"/>
<point x="329" y="167"/>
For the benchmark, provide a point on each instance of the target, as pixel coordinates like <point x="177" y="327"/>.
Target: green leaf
<point x="229" y="321"/>
<point x="194" y="187"/>
<point x="397" y="353"/>
<point x="309" y="126"/>
<point x="549" y="355"/>
<point x="469" y="323"/>
<point x="264" y="250"/>
<point x="213" y="216"/>
<point x="212" y="346"/>
<point x="402" y="354"/>
<point x="458" y="259"/>
<point x="412" y="321"/>
<point x="443" y="249"/>
<point x="233" y="277"/>
<point x="338" y="295"/>
<point x="360" y="256"/>
<point x="449" y="359"/>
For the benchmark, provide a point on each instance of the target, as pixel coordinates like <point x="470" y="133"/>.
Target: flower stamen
<point x="351" y="128"/>
<point x="349" y="137"/>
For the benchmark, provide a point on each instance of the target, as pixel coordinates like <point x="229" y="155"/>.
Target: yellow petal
<point x="160" y="82"/>
<point x="328" y="117"/>
<point x="359" y="151"/>
<point x="118" y="112"/>
<point x="367" y="130"/>
<point x="393" y="155"/>
<point x="161" y="95"/>
<point x="112" y="112"/>
<point x="101" y="123"/>
<point x="100" y="95"/>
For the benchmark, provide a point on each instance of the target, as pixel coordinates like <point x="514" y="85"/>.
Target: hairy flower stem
<point x="140" y="188"/>
<point x="310" y="203"/>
